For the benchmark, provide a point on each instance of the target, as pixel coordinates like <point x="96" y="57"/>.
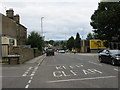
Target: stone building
<point x="12" y="29"/>
<point x="12" y="33"/>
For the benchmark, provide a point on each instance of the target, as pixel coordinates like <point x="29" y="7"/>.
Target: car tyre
<point x="113" y="62"/>
<point x="100" y="60"/>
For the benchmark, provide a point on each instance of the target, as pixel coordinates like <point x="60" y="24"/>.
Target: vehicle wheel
<point x="100" y="60"/>
<point x="113" y="62"/>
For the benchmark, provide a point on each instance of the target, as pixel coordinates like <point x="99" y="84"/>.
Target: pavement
<point x="61" y="71"/>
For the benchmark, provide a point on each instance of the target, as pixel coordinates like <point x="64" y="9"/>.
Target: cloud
<point x="60" y="16"/>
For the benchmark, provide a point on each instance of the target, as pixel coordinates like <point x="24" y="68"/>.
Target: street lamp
<point x="42" y="26"/>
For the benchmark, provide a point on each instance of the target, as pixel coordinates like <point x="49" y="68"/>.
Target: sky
<point x="62" y="18"/>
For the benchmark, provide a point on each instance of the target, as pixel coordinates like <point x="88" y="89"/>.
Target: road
<point x="61" y="71"/>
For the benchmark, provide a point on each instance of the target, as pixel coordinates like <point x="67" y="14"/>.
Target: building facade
<point x="12" y="33"/>
<point x="11" y="28"/>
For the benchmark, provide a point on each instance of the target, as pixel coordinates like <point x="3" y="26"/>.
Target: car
<point x="50" y="52"/>
<point x="61" y="51"/>
<point x="110" y="56"/>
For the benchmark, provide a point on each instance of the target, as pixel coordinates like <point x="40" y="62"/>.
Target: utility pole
<point x="42" y="26"/>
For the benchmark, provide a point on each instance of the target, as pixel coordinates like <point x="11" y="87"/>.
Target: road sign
<point x="97" y="44"/>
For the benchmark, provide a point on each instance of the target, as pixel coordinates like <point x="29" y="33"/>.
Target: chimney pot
<point x="10" y="13"/>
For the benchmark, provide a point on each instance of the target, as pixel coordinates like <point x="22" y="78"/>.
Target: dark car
<point x="50" y="52"/>
<point x="110" y="56"/>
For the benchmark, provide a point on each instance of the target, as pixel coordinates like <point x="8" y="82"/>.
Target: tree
<point x="91" y="36"/>
<point x="35" y="40"/>
<point x="63" y="44"/>
<point x="78" y="41"/>
<point x="70" y="43"/>
<point x="106" y="20"/>
<point x="51" y="42"/>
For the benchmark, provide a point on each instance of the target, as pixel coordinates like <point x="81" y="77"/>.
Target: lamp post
<point x="42" y="26"/>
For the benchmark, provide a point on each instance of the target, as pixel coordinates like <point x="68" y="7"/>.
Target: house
<point x="11" y="31"/>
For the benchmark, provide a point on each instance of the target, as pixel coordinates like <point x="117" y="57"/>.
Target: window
<point x="11" y="41"/>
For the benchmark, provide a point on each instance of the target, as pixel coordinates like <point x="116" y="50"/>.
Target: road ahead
<point x="61" y="71"/>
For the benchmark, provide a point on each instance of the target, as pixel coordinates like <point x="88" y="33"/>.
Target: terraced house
<point x="12" y="32"/>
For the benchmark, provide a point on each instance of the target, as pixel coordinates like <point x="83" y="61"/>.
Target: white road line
<point x="25" y="74"/>
<point x="95" y="63"/>
<point x="81" y="79"/>
<point x="31" y="78"/>
<point x="116" y="69"/>
<point x="73" y="72"/>
<point x="29" y="81"/>
<point x="32" y="74"/>
<point x="26" y="86"/>
<point x="30" y="68"/>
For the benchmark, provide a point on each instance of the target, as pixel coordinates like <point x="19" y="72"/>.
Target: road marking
<point x="26" y="86"/>
<point x="91" y="71"/>
<point x="41" y="61"/>
<point x="29" y="81"/>
<point x="64" y="67"/>
<point x="30" y="68"/>
<point x="32" y="74"/>
<point x="95" y="63"/>
<point x="57" y="74"/>
<point x="25" y="74"/>
<point x="71" y="66"/>
<point x="65" y="73"/>
<point x="116" y="69"/>
<point x="81" y="79"/>
<point x="79" y="66"/>
<point x="31" y="78"/>
<point x="73" y="72"/>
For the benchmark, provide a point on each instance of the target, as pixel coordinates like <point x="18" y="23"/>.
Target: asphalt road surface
<point x="61" y="71"/>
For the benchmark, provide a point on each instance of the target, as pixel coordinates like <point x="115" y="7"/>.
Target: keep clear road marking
<point x="95" y="63"/>
<point x="116" y="69"/>
<point x="81" y="79"/>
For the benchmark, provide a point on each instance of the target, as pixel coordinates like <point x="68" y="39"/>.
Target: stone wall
<point x="25" y="53"/>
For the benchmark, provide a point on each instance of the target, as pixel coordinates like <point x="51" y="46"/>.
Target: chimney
<point x="10" y="13"/>
<point x="17" y="18"/>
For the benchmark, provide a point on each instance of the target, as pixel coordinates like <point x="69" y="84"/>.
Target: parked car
<point x="110" y="56"/>
<point x="61" y="51"/>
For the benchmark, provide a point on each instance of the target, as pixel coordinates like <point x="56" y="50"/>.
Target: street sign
<point x="97" y="44"/>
